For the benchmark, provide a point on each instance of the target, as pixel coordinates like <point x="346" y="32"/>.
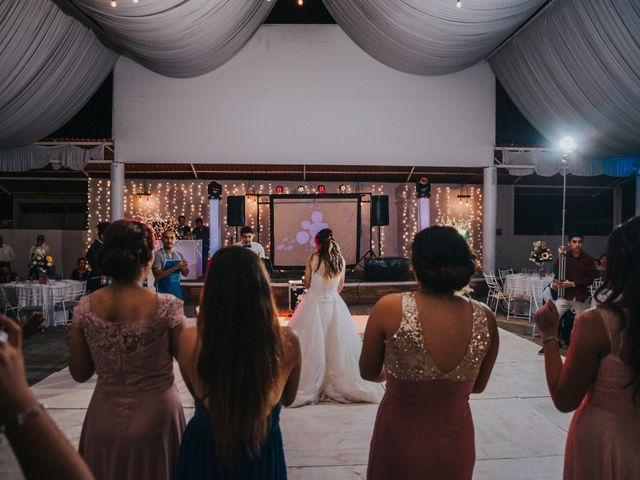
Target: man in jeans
<point x="580" y="272"/>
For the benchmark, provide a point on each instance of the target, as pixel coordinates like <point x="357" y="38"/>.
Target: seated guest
<point x="6" y="275"/>
<point x="436" y="348"/>
<point x="601" y="375"/>
<point x="240" y="366"/>
<point x="127" y="334"/>
<point x="82" y="271"/>
<point x="601" y="266"/>
<point x="246" y="241"/>
<point x="25" y="420"/>
<point x="39" y="245"/>
<point x="182" y="229"/>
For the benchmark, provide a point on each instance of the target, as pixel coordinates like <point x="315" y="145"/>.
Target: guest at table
<point x="183" y="231"/>
<point x="601" y="266"/>
<point x="96" y="279"/>
<point x="82" y="270"/>
<point x="7" y="255"/>
<point x="6" y="275"/>
<point x="200" y="232"/>
<point x="39" y="245"/>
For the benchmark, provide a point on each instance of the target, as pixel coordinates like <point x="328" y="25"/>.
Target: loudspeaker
<point x="423" y="188"/>
<point x="379" y="210"/>
<point x="387" y="269"/>
<point x="235" y="211"/>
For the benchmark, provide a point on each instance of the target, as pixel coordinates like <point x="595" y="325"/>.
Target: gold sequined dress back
<point x="407" y="358"/>
<point x="424" y="427"/>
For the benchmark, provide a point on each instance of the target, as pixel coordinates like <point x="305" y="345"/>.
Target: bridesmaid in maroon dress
<point x="601" y="375"/>
<point x="434" y="348"/>
<point x="126" y="334"/>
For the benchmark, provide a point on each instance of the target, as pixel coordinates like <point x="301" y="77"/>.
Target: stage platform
<point x="519" y="433"/>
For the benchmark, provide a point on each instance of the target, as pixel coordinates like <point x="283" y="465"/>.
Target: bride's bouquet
<point x="540" y="253"/>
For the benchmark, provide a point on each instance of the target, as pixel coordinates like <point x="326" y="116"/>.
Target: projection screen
<point x="296" y="219"/>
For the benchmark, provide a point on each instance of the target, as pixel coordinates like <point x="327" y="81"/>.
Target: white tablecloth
<point x="47" y="303"/>
<point x="519" y="284"/>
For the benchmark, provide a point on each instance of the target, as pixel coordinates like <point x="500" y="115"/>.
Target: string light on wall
<point x="459" y="3"/>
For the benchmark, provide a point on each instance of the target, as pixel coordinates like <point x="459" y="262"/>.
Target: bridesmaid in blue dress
<point x="240" y="366"/>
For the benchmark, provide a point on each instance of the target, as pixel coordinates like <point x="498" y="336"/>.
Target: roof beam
<point x="410" y="173"/>
<point x="195" y="174"/>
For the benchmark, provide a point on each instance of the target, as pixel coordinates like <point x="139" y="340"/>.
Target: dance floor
<point x="519" y="434"/>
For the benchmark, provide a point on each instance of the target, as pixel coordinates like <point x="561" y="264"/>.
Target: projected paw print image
<point x="311" y="228"/>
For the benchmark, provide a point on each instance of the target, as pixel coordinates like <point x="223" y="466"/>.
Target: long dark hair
<point x="240" y="351"/>
<point x="622" y="287"/>
<point x="329" y="253"/>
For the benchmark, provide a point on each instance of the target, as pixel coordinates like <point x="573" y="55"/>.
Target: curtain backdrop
<point x="39" y="156"/>
<point x="50" y="66"/>
<point x="430" y="37"/>
<point x="178" y="38"/>
<point x="575" y="70"/>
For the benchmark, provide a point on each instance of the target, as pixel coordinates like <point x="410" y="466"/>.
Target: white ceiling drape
<point x="430" y="37"/>
<point x="50" y="66"/>
<point x="179" y="38"/>
<point x="575" y="70"/>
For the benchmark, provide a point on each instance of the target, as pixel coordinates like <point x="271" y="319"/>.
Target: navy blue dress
<point x="197" y="456"/>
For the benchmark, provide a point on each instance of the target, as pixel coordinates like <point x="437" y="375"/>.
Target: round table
<point x="42" y="296"/>
<point x="519" y="286"/>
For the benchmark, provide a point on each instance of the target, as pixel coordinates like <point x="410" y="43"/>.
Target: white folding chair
<point x="537" y="300"/>
<point x="9" y="299"/>
<point x="59" y="295"/>
<point x="502" y="274"/>
<point x="30" y="299"/>
<point x="518" y="292"/>
<point x="494" y="293"/>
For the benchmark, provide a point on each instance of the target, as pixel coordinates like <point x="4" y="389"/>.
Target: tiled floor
<point x="519" y="434"/>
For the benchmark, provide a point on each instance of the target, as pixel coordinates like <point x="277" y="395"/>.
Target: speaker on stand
<point x="235" y="212"/>
<point x="379" y="215"/>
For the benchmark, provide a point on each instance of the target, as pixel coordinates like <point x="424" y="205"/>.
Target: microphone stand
<point x="562" y="258"/>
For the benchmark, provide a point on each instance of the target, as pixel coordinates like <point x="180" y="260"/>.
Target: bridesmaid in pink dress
<point x="601" y="374"/>
<point x="127" y="334"/>
<point x="436" y="349"/>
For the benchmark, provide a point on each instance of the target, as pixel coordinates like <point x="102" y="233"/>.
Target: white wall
<point x="304" y="94"/>
<point x="66" y="247"/>
<point x="512" y="251"/>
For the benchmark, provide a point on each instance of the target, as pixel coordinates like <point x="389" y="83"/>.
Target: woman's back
<point x="321" y="282"/>
<point x="432" y="361"/>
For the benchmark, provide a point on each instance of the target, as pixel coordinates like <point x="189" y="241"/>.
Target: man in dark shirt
<point x="580" y="272"/>
<point x="200" y="232"/>
<point x="183" y="231"/>
<point x="96" y="279"/>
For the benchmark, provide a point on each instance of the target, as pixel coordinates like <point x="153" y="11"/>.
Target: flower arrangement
<point x="41" y="263"/>
<point x="540" y="253"/>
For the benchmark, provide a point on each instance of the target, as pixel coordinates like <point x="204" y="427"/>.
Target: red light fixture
<point x="322" y="189"/>
<point x="279" y="189"/>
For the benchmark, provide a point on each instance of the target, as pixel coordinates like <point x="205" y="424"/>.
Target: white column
<point x="117" y="191"/>
<point x="637" y="193"/>
<point x="425" y="214"/>
<point x="214" y="226"/>
<point x="489" y="213"/>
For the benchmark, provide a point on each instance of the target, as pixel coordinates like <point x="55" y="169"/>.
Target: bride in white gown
<point x="330" y="344"/>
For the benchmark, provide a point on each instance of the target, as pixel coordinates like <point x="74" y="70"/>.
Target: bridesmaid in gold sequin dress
<point x="434" y="349"/>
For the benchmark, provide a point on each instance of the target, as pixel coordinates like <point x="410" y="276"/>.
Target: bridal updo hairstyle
<point x="128" y="247"/>
<point x="329" y="253"/>
<point x="442" y="259"/>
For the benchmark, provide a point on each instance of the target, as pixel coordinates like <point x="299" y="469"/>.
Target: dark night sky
<point x="94" y="120"/>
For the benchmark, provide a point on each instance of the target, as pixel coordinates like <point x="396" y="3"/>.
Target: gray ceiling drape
<point x="575" y="70"/>
<point x="50" y="67"/>
<point x="179" y="38"/>
<point x="430" y="37"/>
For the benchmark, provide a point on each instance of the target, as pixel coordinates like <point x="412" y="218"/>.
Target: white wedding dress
<point x="331" y="346"/>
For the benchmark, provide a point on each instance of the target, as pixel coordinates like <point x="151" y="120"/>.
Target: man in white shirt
<point x="7" y="254"/>
<point x="246" y="241"/>
<point x="39" y="244"/>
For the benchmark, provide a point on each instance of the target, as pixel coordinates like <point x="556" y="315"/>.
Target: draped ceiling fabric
<point x="179" y="38"/>
<point x="575" y="70"/>
<point x="50" y="66"/>
<point x="430" y="37"/>
<point x="39" y="156"/>
<point x="547" y="163"/>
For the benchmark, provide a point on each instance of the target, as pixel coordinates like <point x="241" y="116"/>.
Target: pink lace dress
<point x="604" y="437"/>
<point x="134" y="423"/>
